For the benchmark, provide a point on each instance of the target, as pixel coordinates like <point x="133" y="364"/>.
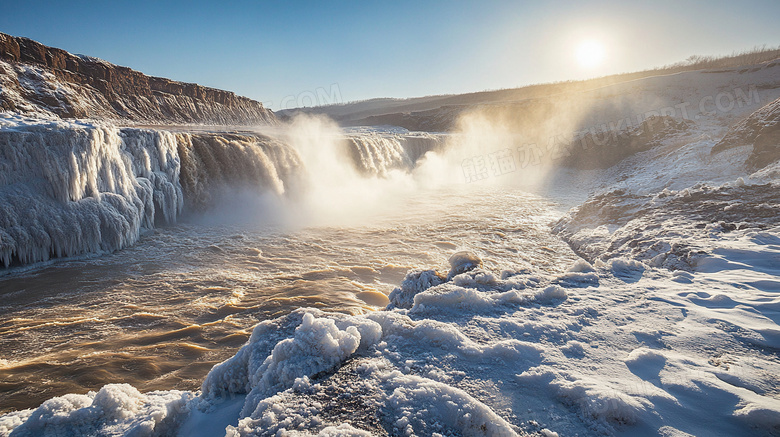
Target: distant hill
<point x="439" y="113"/>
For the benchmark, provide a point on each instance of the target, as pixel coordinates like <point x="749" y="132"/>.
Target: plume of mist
<point x="337" y="193"/>
<point x="518" y="143"/>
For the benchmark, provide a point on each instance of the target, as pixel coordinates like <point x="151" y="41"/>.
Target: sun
<point x="590" y="54"/>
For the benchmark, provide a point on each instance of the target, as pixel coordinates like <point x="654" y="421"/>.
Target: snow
<point x="116" y="409"/>
<point x="36" y="91"/>
<point x="614" y="347"/>
<point x="24" y="88"/>
<point x="507" y="357"/>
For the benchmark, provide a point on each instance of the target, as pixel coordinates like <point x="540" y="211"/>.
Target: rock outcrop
<point x="605" y="149"/>
<point x="37" y="79"/>
<point x="762" y="130"/>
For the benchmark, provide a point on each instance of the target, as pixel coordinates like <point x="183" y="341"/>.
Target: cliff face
<point x="36" y="79"/>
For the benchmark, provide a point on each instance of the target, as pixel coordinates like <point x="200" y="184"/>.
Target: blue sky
<point x="286" y="51"/>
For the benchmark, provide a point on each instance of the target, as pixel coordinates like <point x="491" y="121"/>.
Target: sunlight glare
<point x="590" y="54"/>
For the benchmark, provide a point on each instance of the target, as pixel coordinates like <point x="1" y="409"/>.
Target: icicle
<point x="73" y="188"/>
<point x="70" y="188"/>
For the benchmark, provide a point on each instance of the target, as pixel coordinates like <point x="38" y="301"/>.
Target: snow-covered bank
<point x="671" y="229"/>
<point x="618" y="348"/>
<point x="647" y="340"/>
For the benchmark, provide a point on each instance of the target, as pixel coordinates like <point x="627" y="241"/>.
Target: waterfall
<point x="213" y="162"/>
<point x="378" y="153"/>
<point x="68" y="189"/>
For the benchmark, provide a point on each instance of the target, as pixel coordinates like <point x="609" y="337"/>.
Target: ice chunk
<point x="117" y="409"/>
<point x="461" y="262"/>
<point x="581" y="266"/>
<point x="626" y="269"/>
<point x="317" y="344"/>
<point x="415" y="282"/>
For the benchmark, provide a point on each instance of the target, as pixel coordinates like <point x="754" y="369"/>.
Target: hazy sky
<point x="283" y="52"/>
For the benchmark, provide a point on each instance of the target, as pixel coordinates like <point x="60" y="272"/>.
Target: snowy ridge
<point x="36" y="91"/>
<point x="42" y="81"/>
<point x="604" y="151"/>
<point x="668" y="205"/>
<point x="746" y="130"/>
<point x="23" y="87"/>
<point x="761" y="130"/>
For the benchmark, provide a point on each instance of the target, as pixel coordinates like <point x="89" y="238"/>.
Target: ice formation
<point x="70" y="188"/>
<point x="668" y="326"/>
<point x="116" y="409"/>
<point x="211" y="163"/>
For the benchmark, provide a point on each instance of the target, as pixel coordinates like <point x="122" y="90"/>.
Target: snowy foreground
<point x="619" y="346"/>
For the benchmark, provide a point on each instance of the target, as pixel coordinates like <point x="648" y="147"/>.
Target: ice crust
<point x="70" y="188"/>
